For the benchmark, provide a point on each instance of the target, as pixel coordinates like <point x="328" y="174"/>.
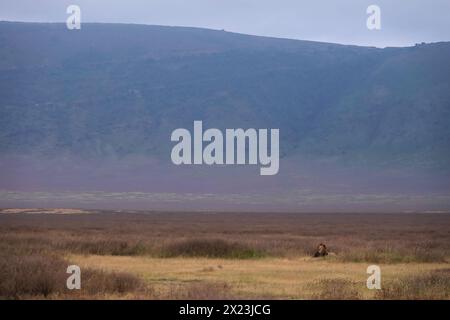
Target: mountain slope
<point x="119" y="90"/>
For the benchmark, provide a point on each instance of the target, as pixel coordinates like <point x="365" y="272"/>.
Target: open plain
<point x="207" y="255"/>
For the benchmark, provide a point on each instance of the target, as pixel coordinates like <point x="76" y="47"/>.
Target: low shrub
<point x="211" y="248"/>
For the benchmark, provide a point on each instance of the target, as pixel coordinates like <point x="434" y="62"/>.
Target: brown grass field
<point x="175" y="255"/>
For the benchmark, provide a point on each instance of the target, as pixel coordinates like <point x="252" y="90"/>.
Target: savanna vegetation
<point x="160" y="255"/>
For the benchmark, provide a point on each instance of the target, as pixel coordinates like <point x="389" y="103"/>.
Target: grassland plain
<point x="174" y="255"/>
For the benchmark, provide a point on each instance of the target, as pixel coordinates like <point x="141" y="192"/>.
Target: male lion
<point x="321" y="251"/>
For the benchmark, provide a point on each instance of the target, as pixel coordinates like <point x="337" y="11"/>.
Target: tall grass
<point x="373" y="238"/>
<point x="211" y="248"/>
<point x="434" y="285"/>
<point x="200" y="290"/>
<point x="44" y="276"/>
<point x="32" y="248"/>
<point x="392" y="255"/>
<point x="103" y="247"/>
<point x="31" y="275"/>
<point x="335" y="289"/>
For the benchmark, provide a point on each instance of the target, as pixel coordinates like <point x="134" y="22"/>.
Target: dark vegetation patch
<point x="211" y="248"/>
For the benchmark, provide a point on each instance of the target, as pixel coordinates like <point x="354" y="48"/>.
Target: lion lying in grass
<point x="322" y="251"/>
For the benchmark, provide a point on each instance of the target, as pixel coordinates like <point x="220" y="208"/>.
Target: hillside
<point x="94" y="109"/>
<point x="121" y="89"/>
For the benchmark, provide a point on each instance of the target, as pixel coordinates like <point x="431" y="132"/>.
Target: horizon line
<point x="227" y="31"/>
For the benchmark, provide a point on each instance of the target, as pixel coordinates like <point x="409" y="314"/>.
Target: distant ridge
<point x="88" y="114"/>
<point x="117" y="90"/>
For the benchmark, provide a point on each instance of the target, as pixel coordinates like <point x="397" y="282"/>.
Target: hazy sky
<point x="404" y="22"/>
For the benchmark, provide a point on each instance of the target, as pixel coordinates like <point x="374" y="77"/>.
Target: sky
<point x="403" y="22"/>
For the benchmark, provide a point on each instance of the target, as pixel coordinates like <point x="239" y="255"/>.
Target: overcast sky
<point x="403" y="22"/>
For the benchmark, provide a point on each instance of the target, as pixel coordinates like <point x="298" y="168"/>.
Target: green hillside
<point x="111" y="90"/>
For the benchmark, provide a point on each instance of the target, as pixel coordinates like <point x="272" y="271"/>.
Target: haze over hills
<point x="94" y="109"/>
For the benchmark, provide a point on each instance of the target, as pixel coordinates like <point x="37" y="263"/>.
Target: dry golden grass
<point x="277" y="278"/>
<point x="223" y="256"/>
